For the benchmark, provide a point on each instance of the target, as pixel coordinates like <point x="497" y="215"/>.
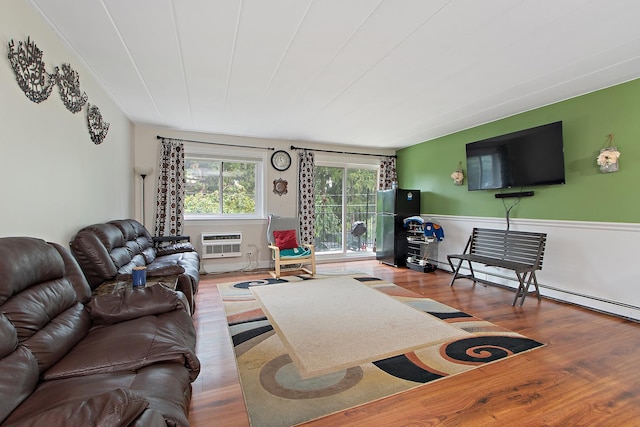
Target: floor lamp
<point x="143" y="172"/>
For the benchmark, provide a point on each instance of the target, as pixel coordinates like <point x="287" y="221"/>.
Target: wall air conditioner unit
<point x="221" y="245"/>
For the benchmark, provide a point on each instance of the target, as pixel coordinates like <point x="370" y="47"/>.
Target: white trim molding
<point x="591" y="264"/>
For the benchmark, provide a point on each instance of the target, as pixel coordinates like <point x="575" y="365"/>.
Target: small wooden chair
<point x="283" y="235"/>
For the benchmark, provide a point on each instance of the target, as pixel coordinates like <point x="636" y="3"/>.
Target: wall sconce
<point x="608" y="157"/>
<point x="458" y="175"/>
<point x="143" y="172"/>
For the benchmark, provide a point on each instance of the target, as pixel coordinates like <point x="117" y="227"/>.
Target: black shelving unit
<point x="422" y="251"/>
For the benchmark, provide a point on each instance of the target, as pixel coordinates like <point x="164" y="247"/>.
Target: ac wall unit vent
<point x="221" y="245"/>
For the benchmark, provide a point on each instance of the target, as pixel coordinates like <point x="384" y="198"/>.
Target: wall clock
<point x="281" y="160"/>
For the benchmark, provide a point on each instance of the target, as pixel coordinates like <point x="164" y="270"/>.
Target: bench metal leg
<point x="473" y="275"/>
<point x="455" y="271"/>
<point x="521" y="292"/>
<point x="535" y="284"/>
<point x="523" y="289"/>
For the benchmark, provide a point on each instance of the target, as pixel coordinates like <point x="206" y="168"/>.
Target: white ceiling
<point x="375" y="73"/>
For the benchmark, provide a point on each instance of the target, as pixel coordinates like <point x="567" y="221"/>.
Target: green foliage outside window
<point x="215" y="187"/>
<point x="358" y="198"/>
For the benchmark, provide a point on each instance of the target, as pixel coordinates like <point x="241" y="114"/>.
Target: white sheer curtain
<point x="171" y="182"/>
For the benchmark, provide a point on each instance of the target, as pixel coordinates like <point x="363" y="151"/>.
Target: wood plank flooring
<point x="587" y="375"/>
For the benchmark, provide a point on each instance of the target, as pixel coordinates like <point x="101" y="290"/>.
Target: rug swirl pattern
<point x="277" y="395"/>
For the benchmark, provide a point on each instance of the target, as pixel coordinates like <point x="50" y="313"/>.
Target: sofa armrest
<point x="160" y="239"/>
<point x="131" y="304"/>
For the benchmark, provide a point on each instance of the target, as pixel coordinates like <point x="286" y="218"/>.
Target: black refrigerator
<point x="392" y="207"/>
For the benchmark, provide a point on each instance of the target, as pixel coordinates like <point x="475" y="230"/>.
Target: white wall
<point x="586" y="263"/>
<point x="147" y="154"/>
<point x="54" y="179"/>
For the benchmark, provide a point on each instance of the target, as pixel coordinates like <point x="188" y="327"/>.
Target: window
<point x="222" y="186"/>
<point x="345" y="202"/>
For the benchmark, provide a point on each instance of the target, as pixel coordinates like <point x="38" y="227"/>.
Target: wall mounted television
<point x="530" y="157"/>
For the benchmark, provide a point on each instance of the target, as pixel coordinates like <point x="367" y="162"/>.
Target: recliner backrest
<point x="108" y="249"/>
<point x="40" y="316"/>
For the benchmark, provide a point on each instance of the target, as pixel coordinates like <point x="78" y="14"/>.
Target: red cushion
<point x="285" y="239"/>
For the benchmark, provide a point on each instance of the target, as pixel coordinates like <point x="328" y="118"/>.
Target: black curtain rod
<point x="217" y="143"/>
<point x="343" y="152"/>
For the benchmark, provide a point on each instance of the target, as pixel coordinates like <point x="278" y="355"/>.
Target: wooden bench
<point x="519" y="251"/>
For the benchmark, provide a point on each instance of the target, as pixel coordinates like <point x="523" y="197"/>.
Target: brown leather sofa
<point x="109" y="251"/>
<point x="125" y="359"/>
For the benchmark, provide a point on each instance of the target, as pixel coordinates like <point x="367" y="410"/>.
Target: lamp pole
<point x="143" y="175"/>
<point x="143" y="172"/>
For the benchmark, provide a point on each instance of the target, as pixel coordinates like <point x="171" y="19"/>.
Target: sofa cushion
<point x="73" y="272"/>
<point x="119" y="407"/>
<point x="167" y="337"/>
<point x="131" y="304"/>
<point x="40" y="301"/>
<point x="19" y="379"/>
<point x="91" y="246"/>
<point x="189" y="261"/>
<point x="151" y="382"/>
<point x="24" y="262"/>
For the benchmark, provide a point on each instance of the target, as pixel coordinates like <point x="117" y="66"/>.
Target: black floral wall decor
<point x="33" y="79"/>
<point x="98" y="128"/>
<point x="68" y="82"/>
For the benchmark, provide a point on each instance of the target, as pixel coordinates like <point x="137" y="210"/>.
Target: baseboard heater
<point x="221" y="245"/>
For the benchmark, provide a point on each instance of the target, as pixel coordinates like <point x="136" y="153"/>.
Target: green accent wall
<point x="588" y="194"/>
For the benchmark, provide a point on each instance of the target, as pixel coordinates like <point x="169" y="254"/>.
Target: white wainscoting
<point x="592" y="264"/>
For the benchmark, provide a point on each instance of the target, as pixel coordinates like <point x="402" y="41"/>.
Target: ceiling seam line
<point x="381" y="59"/>
<point x="67" y="42"/>
<point x="182" y="66"/>
<point x="319" y="73"/>
<point x="135" y="66"/>
<point x="284" y="54"/>
<point x="231" y="61"/>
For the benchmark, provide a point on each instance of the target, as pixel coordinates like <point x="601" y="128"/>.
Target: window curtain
<point x="171" y="182"/>
<point x="306" y="196"/>
<point x="387" y="173"/>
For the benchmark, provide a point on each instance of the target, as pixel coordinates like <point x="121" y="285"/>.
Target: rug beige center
<point x="336" y="323"/>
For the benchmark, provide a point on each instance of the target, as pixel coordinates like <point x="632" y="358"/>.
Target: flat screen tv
<point x="530" y="157"/>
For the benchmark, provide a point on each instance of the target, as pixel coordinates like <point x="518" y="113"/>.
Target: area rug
<point x="336" y="323"/>
<point x="275" y="392"/>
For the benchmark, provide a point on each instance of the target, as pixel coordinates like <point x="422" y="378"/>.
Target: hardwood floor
<point x="587" y="374"/>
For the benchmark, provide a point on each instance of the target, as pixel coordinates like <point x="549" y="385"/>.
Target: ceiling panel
<point x="376" y="73"/>
<point x="156" y="55"/>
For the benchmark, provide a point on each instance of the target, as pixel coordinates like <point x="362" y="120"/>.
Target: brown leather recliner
<point x="118" y="360"/>
<point x="111" y="250"/>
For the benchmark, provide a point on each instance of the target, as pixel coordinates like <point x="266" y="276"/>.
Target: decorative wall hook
<point x="280" y="186"/>
<point x="68" y="82"/>
<point x="608" y="157"/>
<point x="30" y="71"/>
<point x="98" y="128"/>
<point x="458" y="175"/>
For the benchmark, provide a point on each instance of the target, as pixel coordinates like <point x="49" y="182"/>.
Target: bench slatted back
<point x="513" y="246"/>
